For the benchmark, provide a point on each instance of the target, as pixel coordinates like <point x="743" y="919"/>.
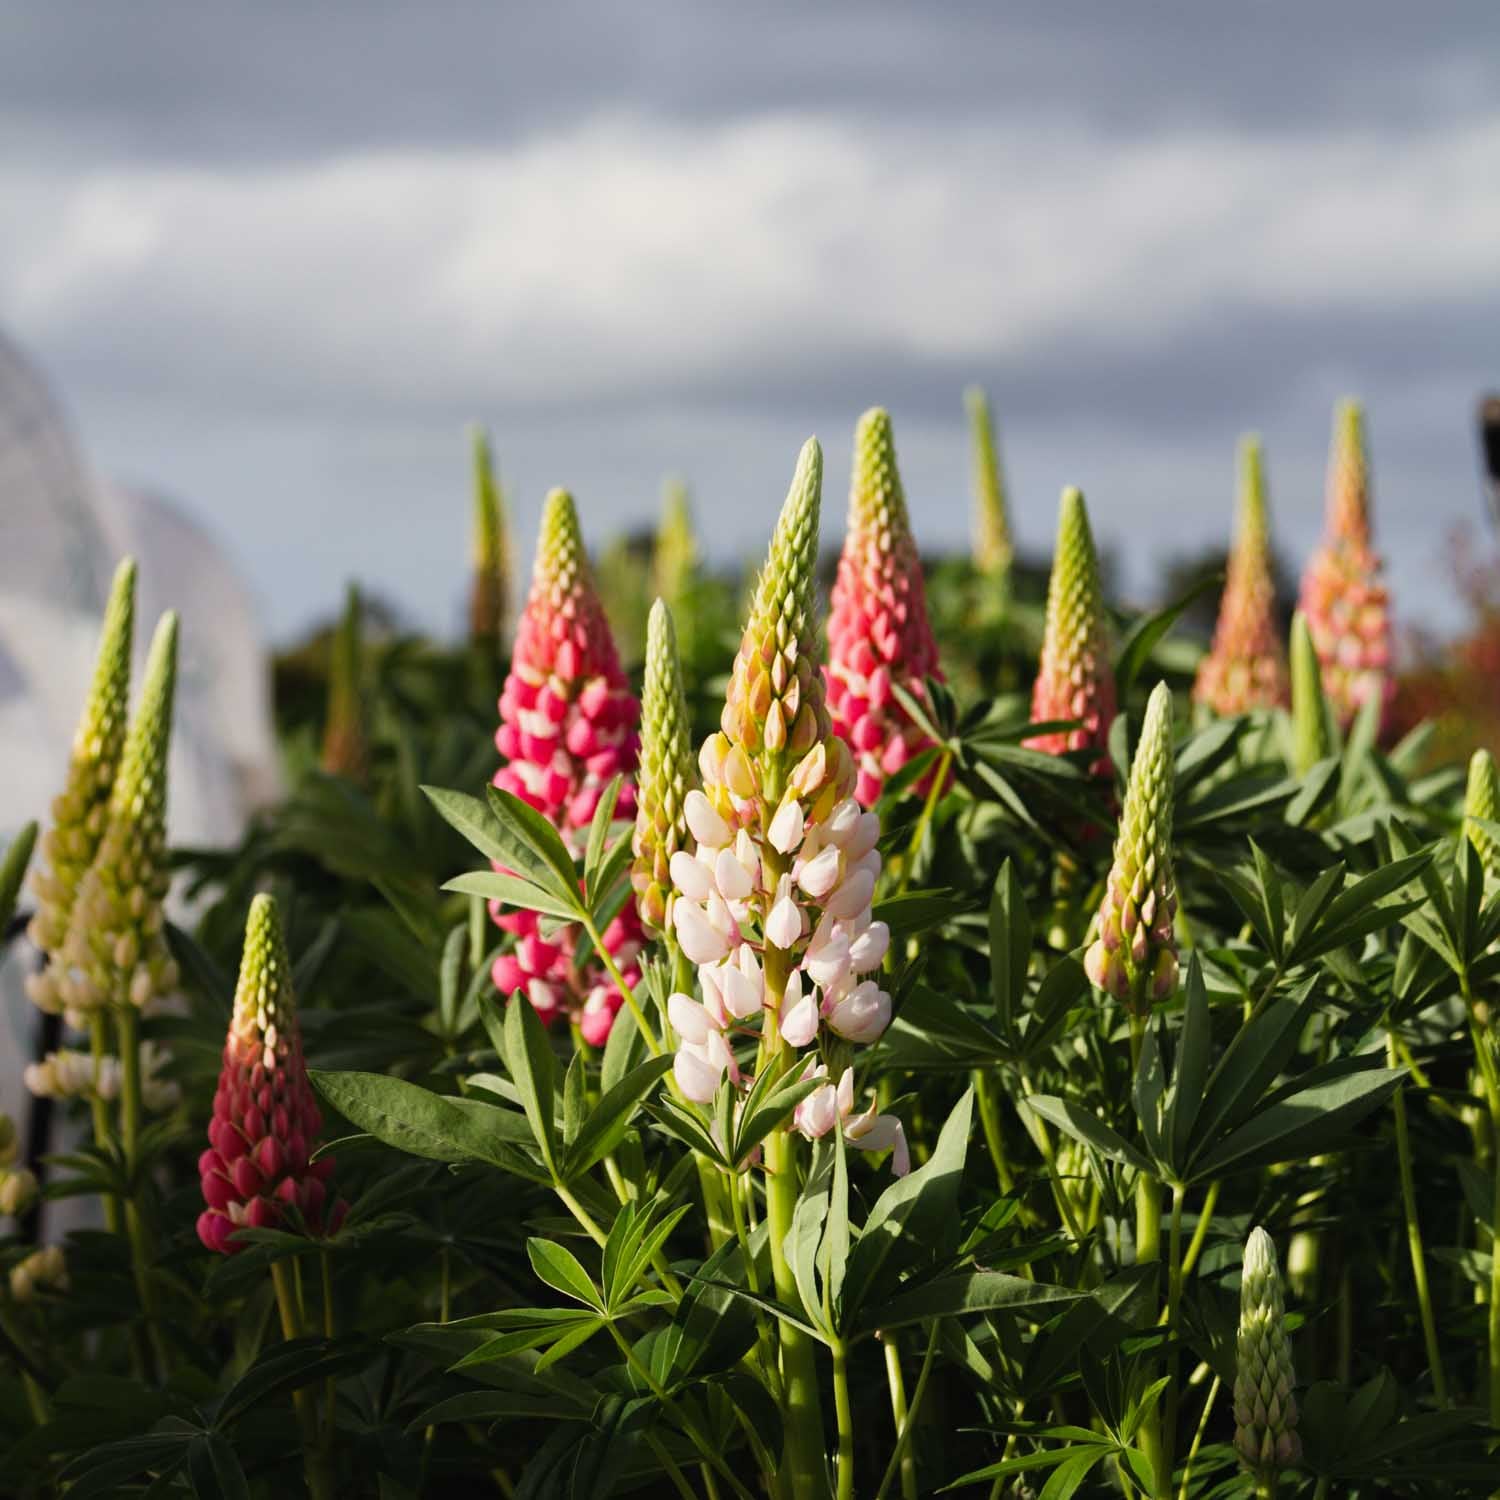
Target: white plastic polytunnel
<point x="62" y="532"/>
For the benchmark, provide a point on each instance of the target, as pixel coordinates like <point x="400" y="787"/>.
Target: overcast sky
<point x="274" y="259"/>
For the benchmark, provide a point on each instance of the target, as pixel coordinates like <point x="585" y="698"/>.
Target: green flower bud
<point x="346" y="750"/>
<point x="493" y="588"/>
<point x="994" y="549"/>
<point x="1265" y="1411"/>
<point x="1312" y="732"/>
<point x="1482" y="800"/>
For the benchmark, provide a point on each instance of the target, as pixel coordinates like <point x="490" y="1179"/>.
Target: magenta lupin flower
<point x="567" y="729"/>
<point x="1246" y="667"/>
<point x="1344" y="595"/>
<point x="266" y="1122"/>
<point x="1075" y="679"/>
<point x="879" y="635"/>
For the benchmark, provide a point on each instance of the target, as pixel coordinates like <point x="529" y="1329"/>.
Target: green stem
<point x="1491" y="1075"/>
<point x="128" y="1034"/>
<point x="1192" y="1453"/>
<point x="844" y="1415"/>
<point x="664" y="1458"/>
<point x="897" y="1385"/>
<point x="27" y="1363"/>
<point x="1200" y="1230"/>
<point x="1174" y="1303"/>
<point x="1414" y="1233"/>
<point x="801" y="1404"/>
<point x="1148" y="1249"/>
<point x="626" y="992"/>
<point x="903" y="1437"/>
<point x="1043" y="1139"/>
<point x="994" y="1136"/>
<point x="924" y="818"/>
<point x="99" y="1109"/>
<point x="302" y="1399"/>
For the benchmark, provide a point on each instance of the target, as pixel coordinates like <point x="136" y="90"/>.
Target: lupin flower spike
<point x="1075" y="678"/>
<point x="1312" y="735"/>
<point x="490" y="592"/>
<point x="116" y="951"/>
<point x="18" y="1186"/>
<point x="878" y="631"/>
<point x="1246" y="666"/>
<point x="1482" y="800"/>
<point x="346" y="750"/>
<point x="674" y="558"/>
<point x="1134" y="955"/>
<point x="79" y="812"/>
<point x="1265" y="1410"/>
<point x="1343" y="590"/>
<point x="666" y="772"/>
<point x="266" y="1122"/>
<point x="774" y="903"/>
<point x="994" y="549"/>
<point x="567" y="728"/>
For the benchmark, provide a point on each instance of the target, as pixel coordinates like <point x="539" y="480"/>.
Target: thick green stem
<point x="1148" y="1249"/>
<point x="1414" y="1234"/>
<point x="924" y="819"/>
<point x="99" y="1109"/>
<point x="128" y="1035"/>
<point x="801" y="1405"/>
<point x="648" y="1033"/>
<point x="897" y="1385"/>
<point x="1490" y="1073"/>
<point x="844" y="1416"/>
<point x="314" y="1460"/>
<point x="1174" y="1303"/>
<point x="1200" y="1232"/>
<point x="1192" y="1453"/>
<point x="903" y="1437"/>
<point x="994" y="1135"/>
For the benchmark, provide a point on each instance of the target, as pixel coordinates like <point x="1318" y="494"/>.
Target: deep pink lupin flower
<point x="266" y="1121"/>
<point x="1075" y="678"/>
<point x="1343" y="590"/>
<point x="878" y="630"/>
<point x="567" y="728"/>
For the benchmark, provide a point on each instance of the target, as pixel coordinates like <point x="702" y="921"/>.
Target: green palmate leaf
<point x="625" y="1048"/>
<point x="915" y="912"/>
<point x="607" y="1123"/>
<point x="636" y="1255"/>
<point x="450" y="975"/>
<point x="1010" y="945"/>
<point x="1124" y="1302"/>
<point x="1194" y="1050"/>
<point x="498" y="1406"/>
<point x="421" y="1123"/>
<point x="599" y="827"/>
<point x="834" y="1258"/>
<point x="1272" y="901"/>
<point x="934" y="1031"/>
<point x="532" y="1065"/>
<point x="808" y="1222"/>
<point x="1357" y="911"/>
<point x="1147" y="1090"/>
<point x="767" y="1106"/>
<point x="1092" y="1131"/>
<point x="515" y="891"/>
<point x="611" y="889"/>
<point x="1042" y="1459"/>
<point x="214" y="1470"/>
<point x="912" y="1219"/>
<point x="559" y="1268"/>
<point x="1149" y="631"/>
<point x="101" y="1471"/>
<point x="538" y="835"/>
<point x="963" y="1293"/>
<point x="574" y="1098"/>
<point x="1302" y="1123"/>
<point x="289" y="1367"/>
<point x="476" y="821"/>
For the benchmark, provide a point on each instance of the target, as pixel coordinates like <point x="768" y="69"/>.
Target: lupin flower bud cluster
<point x="1482" y="801"/>
<point x="879" y="635"/>
<point x="490" y="592"/>
<point x="18" y="1186"/>
<point x="1075" y="678"/>
<point x="1134" y="954"/>
<point x="567" y="728"/>
<point x="666" y="773"/>
<point x="1344" y="595"/>
<point x="1312" y="734"/>
<point x="346" y="746"/>
<point x="69" y="1074"/>
<point x="266" y="1122"/>
<point x="1246" y="666"/>
<point x="1265" y="1410"/>
<point x="994" y="547"/>
<point x="42" y="1269"/>
<point x="116" y="953"/>
<point x="773" y="904"/>
<point x="78" y="813"/>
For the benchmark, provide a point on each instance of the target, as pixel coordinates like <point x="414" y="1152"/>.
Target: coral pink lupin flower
<point x="878" y="630"/>
<point x="567" y="728"/>
<point x="266" y="1121"/>
<point x="1343" y="590"/>
<point x="1075" y="679"/>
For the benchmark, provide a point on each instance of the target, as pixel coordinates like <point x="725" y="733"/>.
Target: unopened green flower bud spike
<point x="994" y="548"/>
<point x="1134" y="956"/>
<point x="1312" y="732"/>
<point x="492" y="589"/>
<point x="346" y="749"/>
<point x="1265" y="1410"/>
<point x="1482" y="800"/>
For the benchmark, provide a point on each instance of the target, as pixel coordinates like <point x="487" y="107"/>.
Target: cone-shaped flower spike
<point x="491" y="589"/>
<point x="116" y="952"/>
<point x="1134" y="956"/>
<point x="674" y="559"/>
<point x="1343" y="590"/>
<point x="266" y="1121"/>
<point x="666" y="775"/>
<point x="78" y="814"/>
<point x="346" y="750"/>
<point x="1312" y="734"/>
<point x="1075" y="679"/>
<point x="1482" y="800"/>
<point x="567" y="728"/>
<point x="994" y="548"/>
<point x="878" y="631"/>
<point x="1265" y="1411"/>
<point x="1246" y="666"/>
<point x="773" y="904"/>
